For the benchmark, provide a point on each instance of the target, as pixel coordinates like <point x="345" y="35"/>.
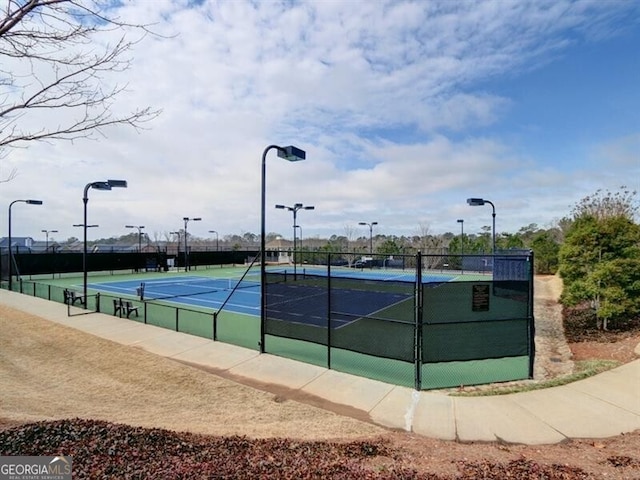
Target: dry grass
<point x="49" y="371"/>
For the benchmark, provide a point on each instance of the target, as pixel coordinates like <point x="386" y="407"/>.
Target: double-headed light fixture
<point x="140" y="228"/>
<point x="294" y="209"/>
<point x="370" y="234"/>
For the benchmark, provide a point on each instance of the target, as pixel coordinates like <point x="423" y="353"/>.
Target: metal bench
<point x="125" y="307"/>
<point x="71" y="297"/>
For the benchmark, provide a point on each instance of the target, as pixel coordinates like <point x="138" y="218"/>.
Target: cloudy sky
<point x="405" y="109"/>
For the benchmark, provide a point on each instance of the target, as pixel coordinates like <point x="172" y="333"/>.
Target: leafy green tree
<point x="618" y="285"/>
<point x="507" y="241"/>
<point x="600" y="258"/>
<point x="388" y="247"/>
<point x="545" y="250"/>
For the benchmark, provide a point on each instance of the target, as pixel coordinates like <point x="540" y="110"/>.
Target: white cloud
<point x="343" y="80"/>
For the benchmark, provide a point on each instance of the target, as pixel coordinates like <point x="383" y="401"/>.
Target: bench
<point x="152" y="265"/>
<point x="124" y="307"/>
<point x="71" y="297"/>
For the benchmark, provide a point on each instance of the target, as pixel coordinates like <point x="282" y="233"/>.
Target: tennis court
<point x="190" y="290"/>
<point x="455" y="327"/>
<point x="307" y="305"/>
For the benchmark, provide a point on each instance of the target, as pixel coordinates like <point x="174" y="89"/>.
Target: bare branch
<point x="59" y="64"/>
<point x="12" y="174"/>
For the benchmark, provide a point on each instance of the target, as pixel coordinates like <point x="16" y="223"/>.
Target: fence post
<point x="532" y="323"/>
<point x="418" y="323"/>
<point x="329" y="311"/>
<point x="215" y="326"/>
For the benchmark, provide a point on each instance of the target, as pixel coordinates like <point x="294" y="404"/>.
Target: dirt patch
<point x="620" y="348"/>
<point x="553" y="356"/>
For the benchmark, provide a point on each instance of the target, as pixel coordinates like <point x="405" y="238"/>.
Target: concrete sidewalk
<point x="601" y="406"/>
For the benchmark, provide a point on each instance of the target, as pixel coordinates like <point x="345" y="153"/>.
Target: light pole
<point x="186" y="255"/>
<point x="177" y="245"/>
<point x="291" y="154"/>
<point x="217" y="243"/>
<point x="140" y="228"/>
<point x="461" y="222"/>
<point x="47" y="232"/>
<point x="28" y="202"/>
<point x="300" y="237"/>
<point x="104" y="185"/>
<point x="476" y="202"/>
<point x="294" y="209"/>
<point x="370" y="234"/>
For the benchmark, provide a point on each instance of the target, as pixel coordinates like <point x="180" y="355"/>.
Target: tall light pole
<point x="47" y="232"/>
<point x="461" y="222"/>
<point x="178" y="243"/>
<point x="186" y="255"/>
<point x="294" y="209"/>
<point x="217" y="243"/>
<point x="28" y="202"/>
<point x="476" y="202"/>
<point x="140" y="228"/>
<point x="300" y="237"/>
<point x="104" y="185"/>
<point x="291" y="154"/>
<point x="370" y="234"/>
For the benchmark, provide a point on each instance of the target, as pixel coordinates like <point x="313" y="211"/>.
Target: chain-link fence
<point x="426" y="321"/>
<point x="422" y="321"/>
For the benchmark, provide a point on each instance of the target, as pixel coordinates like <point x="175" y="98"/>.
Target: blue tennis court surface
<point x="191" y="290"/>
<point x="289" y="301"/>
<point x="309" y="305"/>
<point x="370" y="274"/>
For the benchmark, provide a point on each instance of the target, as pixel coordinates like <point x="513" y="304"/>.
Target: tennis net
<point x="192" y="286"/>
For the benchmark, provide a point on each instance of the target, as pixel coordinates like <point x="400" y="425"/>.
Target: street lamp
<point x="294" y="209"/>
<point x="139" y="227"/>
<point x="217" y="243"/>
<point x="461" y="222"/>
<point x="104" y="185"/>
<point x="186" y="256"/>
<point x="300" y="237"/>
<point x="370" y="234"/>
<point x="29" y="202"/>
<point x="291" y="154"/>
<point x="476" y="202"/>
<point x="47" y="232"/>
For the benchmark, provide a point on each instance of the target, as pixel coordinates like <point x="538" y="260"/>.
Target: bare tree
<point x="349" y="232"/>
<point x="423" y="235"/>
<point x="605" y="204"/>
<point x="53" y="59"/>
